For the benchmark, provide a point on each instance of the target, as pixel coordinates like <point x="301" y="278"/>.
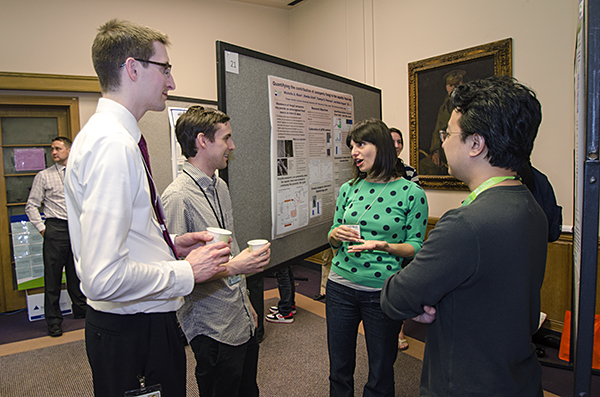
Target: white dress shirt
<point x="124" y="264"/>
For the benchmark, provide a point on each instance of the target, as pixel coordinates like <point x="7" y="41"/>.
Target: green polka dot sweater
<point x="396" y="212"/>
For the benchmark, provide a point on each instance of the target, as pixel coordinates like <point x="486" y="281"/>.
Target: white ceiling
<point x="273" y="3"/>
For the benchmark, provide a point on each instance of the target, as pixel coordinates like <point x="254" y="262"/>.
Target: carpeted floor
<point x="293" y="358"/>
<point x="293" y="362"/>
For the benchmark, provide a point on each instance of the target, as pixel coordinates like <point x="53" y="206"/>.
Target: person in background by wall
<point x="48" y="188"/>
<point x="409" y="172"/>
<point x="543" y="192"/>
<point x="286" y="307"/>
<point x="126" y="259"/>
<point x="483" y="264"/>
<point x="380" y="218"/>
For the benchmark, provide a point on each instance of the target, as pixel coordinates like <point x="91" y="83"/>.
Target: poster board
<point x="587" y="194"/>
<point x="242" y="82"/>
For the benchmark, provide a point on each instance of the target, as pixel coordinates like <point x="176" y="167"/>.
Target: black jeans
<point x="345" y="309"/>
<point x="287" y="290"/>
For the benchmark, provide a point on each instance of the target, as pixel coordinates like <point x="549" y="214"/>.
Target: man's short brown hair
<point x="115" y="42"/>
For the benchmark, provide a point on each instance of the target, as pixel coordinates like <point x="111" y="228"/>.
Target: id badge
<point x="150" y="391"/>
<point x="232" y="280"/>
<point x="355" y="227"/>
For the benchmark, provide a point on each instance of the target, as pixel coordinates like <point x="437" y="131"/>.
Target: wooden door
<point x="25" y="123"/>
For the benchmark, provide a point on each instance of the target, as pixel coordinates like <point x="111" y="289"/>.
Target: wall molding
<point x="48" y="82"/>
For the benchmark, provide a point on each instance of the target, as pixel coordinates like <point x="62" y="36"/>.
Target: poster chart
<point x="27" y="250"/>
<point x="580" y="154"/>
<point x="309" y="156"/>
<point x="177" y="158"/>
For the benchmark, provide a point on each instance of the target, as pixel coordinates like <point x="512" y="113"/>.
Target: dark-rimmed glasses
<point x="165" y="65"/>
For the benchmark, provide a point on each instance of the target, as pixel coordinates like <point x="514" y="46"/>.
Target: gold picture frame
<point x="429" y="83"/>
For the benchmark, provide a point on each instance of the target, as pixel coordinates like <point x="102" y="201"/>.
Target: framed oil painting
<point x="430" y="82"/>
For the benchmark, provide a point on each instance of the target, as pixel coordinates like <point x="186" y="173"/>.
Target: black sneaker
<point x="55" y="330"/>
<point x="275" y="309"/>
<point x="278" y="318"/>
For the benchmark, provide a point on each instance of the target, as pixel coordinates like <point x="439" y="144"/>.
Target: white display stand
<point x="35" y="305"/>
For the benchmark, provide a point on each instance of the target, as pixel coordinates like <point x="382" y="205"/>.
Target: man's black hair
<point x="505" y="113"/>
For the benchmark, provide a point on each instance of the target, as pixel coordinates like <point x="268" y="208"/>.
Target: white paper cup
<point x="256" y="244"/>
<point x="218" y="234"/>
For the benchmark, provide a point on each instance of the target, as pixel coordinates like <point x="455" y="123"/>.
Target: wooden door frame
<point x="71" y="105"/>
<point x="43" y="83"/>
<point x="48" y="82"/>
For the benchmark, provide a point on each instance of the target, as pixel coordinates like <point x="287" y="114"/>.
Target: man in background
<point x="481" y="270"/>
<point x="127" y="261"/>
<point x="48" y="188"/>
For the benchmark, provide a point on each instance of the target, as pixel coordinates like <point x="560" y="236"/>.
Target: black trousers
<point x="226" y="371"/>
<point x="121" y="348"/>
<point x="58" y="256"/>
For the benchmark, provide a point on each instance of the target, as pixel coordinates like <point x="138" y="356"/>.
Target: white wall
<point x="388" y="34"/>
<point x="370" y="41"/>
<point x="56" y="36"/>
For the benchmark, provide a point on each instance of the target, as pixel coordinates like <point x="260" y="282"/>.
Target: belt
<point x="56" y="220"/>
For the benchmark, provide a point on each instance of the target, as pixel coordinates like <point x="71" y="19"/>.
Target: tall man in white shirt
<point x="217" y="317"/>
<point x="128" y="263"/>
<point x="48" y="188"/>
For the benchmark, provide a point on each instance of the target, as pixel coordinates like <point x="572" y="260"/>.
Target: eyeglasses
<point x="445" y="134"/>
<point x="166" y="66"/>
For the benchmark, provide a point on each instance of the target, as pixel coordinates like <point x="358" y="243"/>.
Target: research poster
<point x="177" y="158"/>
<point x="309" y="156"/>
<point x="28" y="253"/>
<point x="580" y="158"/>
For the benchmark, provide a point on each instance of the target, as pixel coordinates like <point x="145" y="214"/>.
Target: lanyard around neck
<point x="220" y="221"/>
<point x="486" y="185"/>
<point x="368" y="207"/>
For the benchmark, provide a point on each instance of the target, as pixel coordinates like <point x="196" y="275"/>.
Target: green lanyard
<point x="486" y="185"/>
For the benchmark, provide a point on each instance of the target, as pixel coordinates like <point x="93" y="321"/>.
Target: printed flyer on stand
<point x="309" y="156"/>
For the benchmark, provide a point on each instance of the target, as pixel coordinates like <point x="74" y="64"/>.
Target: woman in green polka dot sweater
<point x="380" y="218"/>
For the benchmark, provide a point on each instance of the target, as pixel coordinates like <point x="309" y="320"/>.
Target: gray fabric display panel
<point x="244" y="97"/>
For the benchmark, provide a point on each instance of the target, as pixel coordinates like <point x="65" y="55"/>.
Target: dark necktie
<point x="155" y="203"/>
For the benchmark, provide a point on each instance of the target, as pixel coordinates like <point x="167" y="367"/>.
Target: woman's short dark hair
<point x="505" y="113"/>
<point x="376" y="132"/>
<point x="196" y="120"/>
